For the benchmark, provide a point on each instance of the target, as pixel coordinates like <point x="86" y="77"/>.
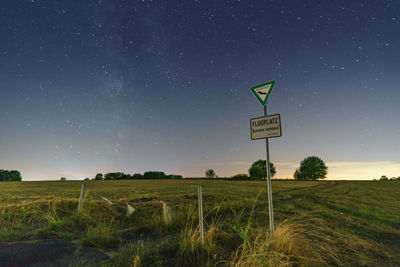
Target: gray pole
<point x="268" y="171"/>
<point x="201" y="213"/>
<point x="81" y="198"/>
<point x="200" y="200"/>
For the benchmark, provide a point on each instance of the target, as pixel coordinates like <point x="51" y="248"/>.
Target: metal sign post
<point x="264" y="128"/>
<point x="200" y="199"/>
<point x="269" y="185"/>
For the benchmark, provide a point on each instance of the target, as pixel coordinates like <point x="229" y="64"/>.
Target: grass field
<point x="351" y="223"/>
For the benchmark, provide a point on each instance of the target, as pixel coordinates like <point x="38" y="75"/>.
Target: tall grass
<point x="101" y="234"/>
<point x="184" y="248"/>
<point x="191" y="250"/>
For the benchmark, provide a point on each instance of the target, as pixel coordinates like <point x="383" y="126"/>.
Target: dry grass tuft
<point x="305" y="241"/>
<point x="292" y="244"/>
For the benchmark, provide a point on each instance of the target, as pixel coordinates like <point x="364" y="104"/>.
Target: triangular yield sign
<point x="263" y="91"/>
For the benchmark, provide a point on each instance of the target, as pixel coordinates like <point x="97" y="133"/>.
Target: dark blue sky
<point x="100" y="86"/>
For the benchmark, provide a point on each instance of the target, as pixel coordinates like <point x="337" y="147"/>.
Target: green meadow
<point x="318" y="223"/>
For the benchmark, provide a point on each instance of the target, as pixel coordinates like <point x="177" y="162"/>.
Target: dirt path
<point x="48" y="253"/>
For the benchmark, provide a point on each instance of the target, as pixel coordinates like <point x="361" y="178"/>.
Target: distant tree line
<point x="385" y="178"/>
<point x="10" y="175"/>
<point x="146" y="175"/>
<point x="311" y="168"/>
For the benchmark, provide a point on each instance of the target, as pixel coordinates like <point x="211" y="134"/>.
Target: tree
<point x="14" y="175"/>
<point x="125" y="177"/>
<point x="108" y="176"/>
<point x="116" y="176"/>
<point x="154" y="175"/>
<point x="297" y="175"/>
<point x="258" y="171"/>
<point x="174" y="176"/>
<point x="63" y="179"/>
<point x="10" y="175"/>
<point x="137" y="176"/>
<point x="98" y="176"/>
<point x="241" y="176"/>
<point x="210" y="173"/>
<point x="383" y="178"/>
<point x="311" y="168"/>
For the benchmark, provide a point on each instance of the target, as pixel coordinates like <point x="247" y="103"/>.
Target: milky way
<point x="99" y="86"/>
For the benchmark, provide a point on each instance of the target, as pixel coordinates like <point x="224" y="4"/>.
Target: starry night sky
<point x="101" y="86"/>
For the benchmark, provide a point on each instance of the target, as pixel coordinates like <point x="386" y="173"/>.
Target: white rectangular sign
<point x="266" y="127"/>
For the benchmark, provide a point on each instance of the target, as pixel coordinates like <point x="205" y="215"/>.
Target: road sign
<point x="263" y="91"/>
<point x="266" y="127"/>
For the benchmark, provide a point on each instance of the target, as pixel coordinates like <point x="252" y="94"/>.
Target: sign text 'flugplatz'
<point x="266" y="127"/>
